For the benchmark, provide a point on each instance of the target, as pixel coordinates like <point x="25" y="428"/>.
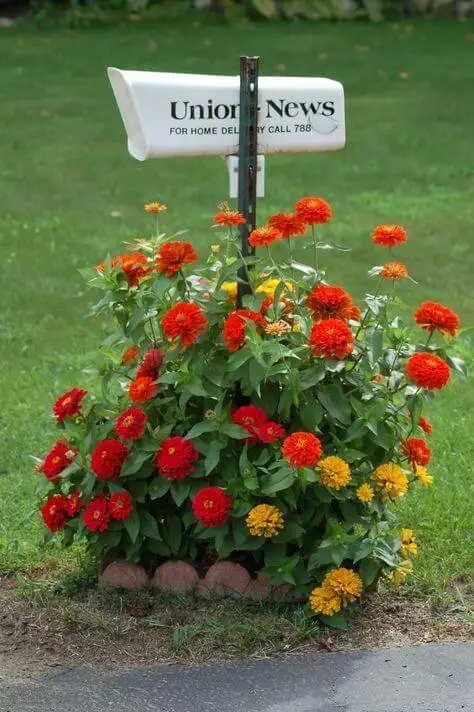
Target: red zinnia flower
<point x="269" y="432"/>
<point x="229" y="217"/>
<point x="235" y="327"/>
<point x="184" y="321"/>
<point x="389" y="235"/>
<point x="302" y="449"/>
<point x="249" y="417"/>
<point x="433" y="316"/>
<point x="313" y="210"/>
<point x="428" y="370"/>
<point x="328" y="302"/>
<point x="131" y="423"/>
<point x="58" y="458"/>
<point x="70" y="403"/>
<point x="130" y="354"/>
<point x="108" y="458"/>
<point x="287" y="224"/>
<point x="151" y="364"/>
<point x="394" y="270"/>
<point x="417" y="451"/>
<point x="176" y="457"/>
<point x="54" y="512"/>
<point x="331" y="338"/>
<point x="73" y="504"/>
<point x="172" y="256"/>
<point x="134" y="265"/>
<point x="284" y="307"/>
<point x="265" y="235"/>
<point x="425" y="425"/>
<point x="120" y="505"/>
<point x="96" y="515"/>
<point x="142" y="389"/>
<point x="211" y="505"/>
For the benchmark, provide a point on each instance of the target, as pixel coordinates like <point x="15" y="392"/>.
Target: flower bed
<point x="275" y="431"/>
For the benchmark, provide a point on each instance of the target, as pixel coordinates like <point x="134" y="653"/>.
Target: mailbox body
<point x="167" y="114"/>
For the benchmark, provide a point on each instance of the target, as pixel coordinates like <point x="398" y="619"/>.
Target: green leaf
<point x="337" y="620"/>
<point x="172" y="533"/>
<point x="279" y="480"/>
<point x="180" y="491"/>
<point x="149" y="526"/>
<point x="213" y="456"/>
<point x="368" y="571"/>
<point x="132" y="525"/>
<point x="311" y="414"/>
<point x="134" y="462"/>
<point x="365" y="549"/>
<point x="312" y="376"/>
<point x="200" y="428"/>
<point x="336" y="403"/>
<point x="232" y="430"/>
<point x="159" y="487"/>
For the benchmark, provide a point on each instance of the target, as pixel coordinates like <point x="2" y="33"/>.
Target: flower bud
<point x="210" y="415"/>
<point x="215" y="249"/>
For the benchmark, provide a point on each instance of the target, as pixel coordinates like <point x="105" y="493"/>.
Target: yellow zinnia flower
<point x="409" y="545"/>
<point x="398" y="575"/>
<point x="345" y="583"/>
<point x="391" y="480"/>
<point x="323" y="600"/>
<point x="264" y="520"/>
<point x="365" y="493"/>
<point x="154" y="207"/>
<point x="335" y="472"/>
<point x="231" y="289"/>
<point x="421" y="474"/>
<point x="269" y="286"/>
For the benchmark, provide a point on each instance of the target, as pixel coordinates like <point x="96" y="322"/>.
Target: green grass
<point x="65" y="169"/>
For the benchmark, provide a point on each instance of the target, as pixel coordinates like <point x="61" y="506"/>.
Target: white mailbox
<point x="167" y="114"/>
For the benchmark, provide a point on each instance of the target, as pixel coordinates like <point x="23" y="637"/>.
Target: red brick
<point x="260" y="589"/>
<point x="225" y="578"/>
<point x="121" y="574"/>
<point x="175" y="577"/>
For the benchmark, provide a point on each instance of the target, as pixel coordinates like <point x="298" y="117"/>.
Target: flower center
<point x="67" y="400"/>
<point x="208" y="504"/>
<point x="96" y="514"/>
<point x="56" y="460"/>
<point x="171" y="450"/>
<point x="129" y="420"/>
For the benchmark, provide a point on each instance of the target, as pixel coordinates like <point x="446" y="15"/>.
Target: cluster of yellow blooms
<point x="339" y="588"/>
<point x="264" y="520"/>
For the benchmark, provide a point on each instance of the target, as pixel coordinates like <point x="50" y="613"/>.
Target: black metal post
<point x="247" y="202"/>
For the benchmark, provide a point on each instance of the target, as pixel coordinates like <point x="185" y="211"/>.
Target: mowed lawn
<point x="70" y="194"/>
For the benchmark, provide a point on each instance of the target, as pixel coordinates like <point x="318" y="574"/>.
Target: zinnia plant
<point x="278" y="430"/>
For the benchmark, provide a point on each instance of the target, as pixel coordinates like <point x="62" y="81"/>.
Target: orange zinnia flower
<point x="313" y="211"/>
<point x="428" y="370"/>
<point x="394" y="270"/>
<point x="331" y="338"/>
<point x="172" y="256"/>
<point x="235" y="327"/>
<point x="185" y="321"/>
<point x="230" y="218"/>
<point x="302" y="449"/>
<point x="288" y="224"/>
<point x="154" y="207"/>
<point x="134" y="265"/>
<point x="263" y="236"/>
<point x="389" y="235"/>
<point x="130" y="354"/>
<point x="416" y="450"/>
<point x="330" y="302"/>
<point x="433" y="316"/>
<point x="425" y="425"/>
<point x="142" y="389"/>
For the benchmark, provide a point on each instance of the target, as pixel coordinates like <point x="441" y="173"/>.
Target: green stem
<point x="315" y="250"/>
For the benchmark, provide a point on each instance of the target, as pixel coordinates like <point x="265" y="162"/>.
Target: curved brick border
<point x="223" y="579"/>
